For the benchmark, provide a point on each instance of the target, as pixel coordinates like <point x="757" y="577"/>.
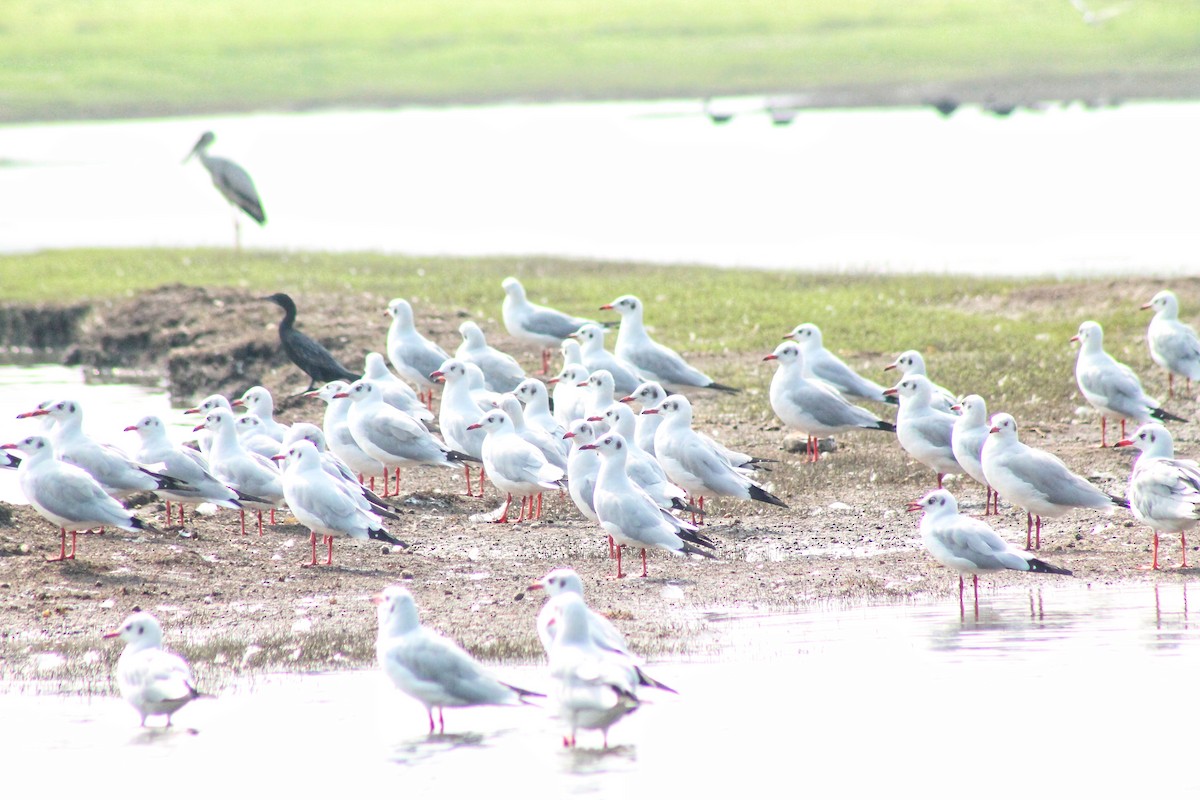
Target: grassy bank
<point x="1004" y="339"/>
<point x="79" y="58"/>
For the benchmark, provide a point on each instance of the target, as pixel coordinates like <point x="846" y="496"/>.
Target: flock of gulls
<point x="641" y="477"/>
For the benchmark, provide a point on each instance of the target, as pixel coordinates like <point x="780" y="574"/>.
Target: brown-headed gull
<point x="971" y="430"/>
<point x="430" y="668"/>
<point x="822" y="364"/>
<point x="654" y="361"/>
<point x="925" y="431"/>
<point x="248" y="472"/>
<point x="1164" y="492"/>
<point x="325" y="505"/>
<point x="185" y="465"/>
<point x="599" y="392"/>
<point x="570" y="401"/>
<point x="583" y="467"/>
<point x="152" y="680"/>
<point x="910" y="362"/>
<point x="66" y="495"/>
<point x="120" y="475"/>
<point x="396" y="392"/>
<point x="572" y="353"/>
<point x="412" y="355"/>
<point x="530" y="322"/>
<point x="339" y="439"/>
<point x="1111" y="387"/>
<point x="969" y="546"/>
<point x="501" y="372"/>
<point x="595" y="357"/>
<point x="811" y="405"/>
<point x="335" y="468"/>
<point x="210" y="403"/>
<point x="515" y="467"/>
<point x="253" y="437"/>
<point x="632" y="517"/>
<point x="593" y="687"/>
<point x="1174" y="345"/>
<point x="394" y="438"/>
<point x="692" y="462"/>
<point x="257" y="400"/>
<point x="563" y="581"/>
<point x="643" y="469"/>
<point x="536" y="397"/>
<point x="1035" y="480"/>
<point x="457" y="412"/>
<point x="554" y="448"/>
<point x="650" y="395"/>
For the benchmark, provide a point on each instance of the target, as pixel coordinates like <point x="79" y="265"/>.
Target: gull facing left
<point x="152" y="680"/>
<point x="1164" y="492"/>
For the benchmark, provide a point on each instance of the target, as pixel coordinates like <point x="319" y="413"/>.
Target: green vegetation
<point x="105" y="58"/>
<point x="1007" y="340"/>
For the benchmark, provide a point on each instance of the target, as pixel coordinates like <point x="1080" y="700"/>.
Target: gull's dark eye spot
<point x="141" y="630"/>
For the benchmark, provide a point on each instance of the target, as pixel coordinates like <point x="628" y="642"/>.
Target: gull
<point x="1164" y="492"/>
<point x="393" y="437"/>
<point x="338" y="437"/>
<point x="515" y="466"/>
<point x="457" y="412"/>
<point x="559" y="584"/>
<point x="183" y="464"/>
<point x="413" y="356"/>
<point x="643" y="469"/>
<point x="594" y="688"/>
<point x="241" y="469"/>
<point x="484" y="398"/>
<point x="114" y="470"/>
<point x="152" y="680"/>
<point x="66" y="495"/>
<point x="1035" y="480"/>
<point x="501" y="372"/>
<point x="599" y="393"/>
<point x="1111" y="387"/>
<point x="309" y="355"/>
<point x="583" y="467"/>
<point x="1174" y="345"/>
<point x="335" y="468"/>
<point x="252" y="436"/>
<point x="824" y="365"/>
<point x="595" y="357"/>
<point x="654" y="361"/>
<point x="572" y="353"/>
<point x="536" y="398"/>
<point x="924" y="430"/>
<point x="694" y="463"/>
<point x="971" y="429"/>
<point x="570" y="400"/>
<point x="396" y="392"/>
<point x="969" y="546"/>
<point x="538" y="325"/>
<point x="632" y="517"/>
<point x="554" y="448"/>
<point x="233" y="182"/>
<point x="210" y="403"/>
<point x="811" y="405"/>
<point x="258" y="401"/>
<point x="650" y="394"/>
<point x="325" y="505"/>
<point x="430" y="668"/>
<point x="910" y="362"/>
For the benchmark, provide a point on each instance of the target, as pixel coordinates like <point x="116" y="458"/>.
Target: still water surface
<point x="1068" y="691"/>
<point x="1060" y="191"/>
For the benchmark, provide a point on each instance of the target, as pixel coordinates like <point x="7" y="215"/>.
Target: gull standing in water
<point x="969" y="546"/>
<point x="812" y="406"/>
<point x="1035" y="480"/>
<point x="1164" y="492"/>
<point x="152" y="680"/>
<point x="413" y="356"/>
<point x="654" y="361"/>
<point x="1174" y="345"/>
<point x="430" y="668"/>
<point x="68" y="496"/>
<point x="1111" y="387"/>
<point x="538" y="325"/>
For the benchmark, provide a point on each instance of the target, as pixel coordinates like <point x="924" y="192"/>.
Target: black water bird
<point x="232" y="182"/>
<point x="317" y="362"/>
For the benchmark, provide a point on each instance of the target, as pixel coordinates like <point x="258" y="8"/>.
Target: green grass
<point x="94" y="58"/>
<point x="1007" y="340"/>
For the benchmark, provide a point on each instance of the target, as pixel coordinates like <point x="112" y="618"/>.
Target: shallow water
<point x="1069" y="690"/>
<point x="1062" y="191"/>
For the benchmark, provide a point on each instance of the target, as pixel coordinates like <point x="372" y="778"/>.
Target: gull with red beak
<point x="155" y="682"/>
<point x="1164" y="492"/>
<point x="1174" y="345"/>
<point x="924" y="430"/>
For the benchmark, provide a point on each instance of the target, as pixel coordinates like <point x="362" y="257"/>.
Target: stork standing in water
<point x="232" y="182"/>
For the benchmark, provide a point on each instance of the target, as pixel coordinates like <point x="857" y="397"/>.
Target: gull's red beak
<point x="606" y="307"/>
<point x="771" y="357"/>
<point x="1124" y="443"/>
<point x="915" y="505"/>
<point x="649" y="410"/>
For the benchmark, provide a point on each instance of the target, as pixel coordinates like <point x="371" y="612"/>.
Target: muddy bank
<point x="236" y="603"/>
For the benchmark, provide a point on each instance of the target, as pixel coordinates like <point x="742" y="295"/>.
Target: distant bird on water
<point x="308" y="355"/>
<point x="232" y="182"/>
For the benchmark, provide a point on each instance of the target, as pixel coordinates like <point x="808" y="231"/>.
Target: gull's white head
<point x="938" y="503"/>
<point x="974" y="410"/>
<point x="1153" y="440"/>
<point x="909" y="362"/>
<point x="472" y="335"/>
<point x="401" y="312"/>
<point x="493" y="421"/>
<point x="397" y="611"/>
<point x="562" y="580"/>
<point x="513" y="288"/>
<point x="1165" y="304"/>
<point x="1090" y="337"/>
<point x="1004" y="426"/>
<point x="806" y="335"/>
<point x="649" y="394"/>
<point x="625" y="305"/>
<point x="139" y="631"/>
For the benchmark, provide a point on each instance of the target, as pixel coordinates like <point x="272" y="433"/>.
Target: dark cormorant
<point x="308" y="355"/>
